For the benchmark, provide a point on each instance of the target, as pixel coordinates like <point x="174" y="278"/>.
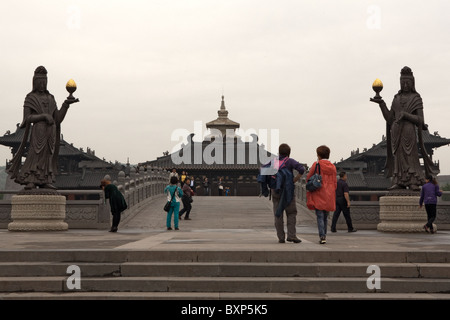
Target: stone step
<point x="115" y="255"/>
<point x="225" y="269"/>
<point x="226" y="284"/>
<point x="215" y="297"/>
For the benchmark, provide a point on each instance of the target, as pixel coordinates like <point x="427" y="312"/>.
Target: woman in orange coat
<point x="323" y="200"/>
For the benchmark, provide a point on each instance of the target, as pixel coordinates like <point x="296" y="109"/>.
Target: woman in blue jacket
<point x="174" y="194"/>
<point x="428" y="195"/>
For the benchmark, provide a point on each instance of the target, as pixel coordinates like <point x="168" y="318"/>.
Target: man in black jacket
<point x="187" y="199"/>
<point x="342" y="203"/>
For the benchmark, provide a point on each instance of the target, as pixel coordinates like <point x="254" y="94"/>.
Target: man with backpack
<point x="278" y="176"/>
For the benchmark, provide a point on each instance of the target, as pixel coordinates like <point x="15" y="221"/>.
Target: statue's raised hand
<point x="70" y="101"/>
<point x="379" y="101"/>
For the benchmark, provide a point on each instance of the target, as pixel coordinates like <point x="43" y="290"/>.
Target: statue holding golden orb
<point x="40" y="145"/>
<point x="404" y="125"/>
<point x="39" y="207"/>
<point x="399" y="209"/>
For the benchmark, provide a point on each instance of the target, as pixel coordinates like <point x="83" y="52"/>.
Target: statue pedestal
<point x="400" y="212"/>
<point x="38" y="210"/>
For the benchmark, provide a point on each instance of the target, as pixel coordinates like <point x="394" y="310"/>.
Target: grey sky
<point x="147" y="68"/>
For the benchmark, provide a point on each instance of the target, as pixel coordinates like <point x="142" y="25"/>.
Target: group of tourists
<point x="179" y="191"/>
<point x="331" y="196"/>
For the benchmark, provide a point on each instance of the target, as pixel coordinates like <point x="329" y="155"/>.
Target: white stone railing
<point x="365" y="214"/>
<point x="140" y="188"/>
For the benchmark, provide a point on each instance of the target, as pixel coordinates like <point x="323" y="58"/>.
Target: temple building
<point x="77" y="169"/>
<point x="365" y="169"/>
<point x="221" y="154"/>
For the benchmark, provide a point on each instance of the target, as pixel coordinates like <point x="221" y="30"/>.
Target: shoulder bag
<point x="315" y="181"/>
<point x="167" y="205"/>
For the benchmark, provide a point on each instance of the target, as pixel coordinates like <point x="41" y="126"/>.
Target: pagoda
<point x="222" y="154"/>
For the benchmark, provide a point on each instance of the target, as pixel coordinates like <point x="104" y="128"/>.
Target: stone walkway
<point x="220" y="223"/>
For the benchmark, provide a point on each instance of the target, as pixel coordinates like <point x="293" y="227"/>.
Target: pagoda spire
<point x="222" y="106"/>
<point x="223" y="112"/>
<point x="222" y="123"/>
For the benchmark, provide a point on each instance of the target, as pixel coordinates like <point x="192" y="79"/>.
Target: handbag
<point x="167" y="205"/>
<point x="315" y="181"/>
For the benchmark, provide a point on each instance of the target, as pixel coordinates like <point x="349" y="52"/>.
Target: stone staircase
<point x="247" y="275"/>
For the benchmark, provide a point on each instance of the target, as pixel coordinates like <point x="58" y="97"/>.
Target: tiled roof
<point x="349" y="164"/>
<point x="380" y="149"/>
<point x="356" y="180"/>
<point x="12" y="139"/>
<point x="66" y="149"/>
<point x="359" y="181"/>
<point x="434" y="139"/>
<point x="167" y="162"/>
<point x="90" y="180"/>
<point x="95" y="163"/>
<point x="377" y="182"/>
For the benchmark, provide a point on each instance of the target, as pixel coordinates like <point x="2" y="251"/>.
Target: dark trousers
<point x="187" y="206"/>
<point x="116" y="219"/>
<point x="431" y="213"/>
<point x="341" y="205"/>
<point x="291" y="217"/>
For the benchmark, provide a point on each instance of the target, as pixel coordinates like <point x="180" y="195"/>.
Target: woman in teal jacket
<point x="174" y="194"/>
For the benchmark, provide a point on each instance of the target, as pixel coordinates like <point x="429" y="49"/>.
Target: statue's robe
<point x="404" y="138"/>
<point x="40" y="166"/>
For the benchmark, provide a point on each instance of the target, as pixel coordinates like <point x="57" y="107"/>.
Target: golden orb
<point x="377" y="83"/>
<point x="71" y="87"/>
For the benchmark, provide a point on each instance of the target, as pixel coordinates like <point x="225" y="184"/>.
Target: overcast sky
<point x="145" y="69"/>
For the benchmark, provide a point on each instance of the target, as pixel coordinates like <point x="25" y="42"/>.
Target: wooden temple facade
<point x="222" y="154"/>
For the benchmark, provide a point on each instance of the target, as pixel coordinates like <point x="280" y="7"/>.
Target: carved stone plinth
<point x="400" y="212"/>
<point x="38" y="210"/>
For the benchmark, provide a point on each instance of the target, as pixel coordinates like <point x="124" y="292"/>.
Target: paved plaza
<point x="220" y="223"/>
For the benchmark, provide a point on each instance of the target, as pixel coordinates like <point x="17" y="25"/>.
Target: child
<point x="174" y="193"/>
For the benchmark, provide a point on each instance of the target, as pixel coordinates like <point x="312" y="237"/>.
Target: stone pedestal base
<point x="401" y="213"/>
<point x="38" y="210"/>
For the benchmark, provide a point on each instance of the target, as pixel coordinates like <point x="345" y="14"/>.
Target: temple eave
<point x="222" y="122"/>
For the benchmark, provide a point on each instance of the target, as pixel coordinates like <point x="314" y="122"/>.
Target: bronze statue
<point x="404" y="126"/>
<point x="42" y="123"/>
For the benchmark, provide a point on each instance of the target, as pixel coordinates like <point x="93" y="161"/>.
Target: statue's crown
<point x="406" y="72"/>
<point x="40" y="71"/>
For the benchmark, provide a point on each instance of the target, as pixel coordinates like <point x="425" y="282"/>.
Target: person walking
<point x="192" y="184"/>
<point x="220" y="186"/>
<point x="342" y="203"/>
<point x="186" y="199"/>
<point x="182" y="178"/>
<point x="283" y="191"/>
<point x="323" y="200"/>
<point x="428" y="195"/>
<point x="117" y="202"/>
<point x="206" y="186"/>
<point x="173" y="174"/>
<point x="174" y="193"/>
